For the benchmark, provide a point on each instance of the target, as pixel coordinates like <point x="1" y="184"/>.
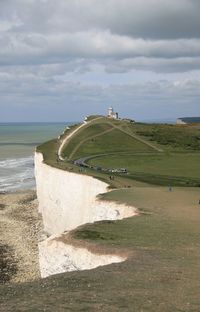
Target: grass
<point x="179" y="137"/>
<point x="92" y="117"/>
<point x="162" y="273"/>
<point x="49" y="150"/>
<point x="114" y="141"/>
<point x="177" y="165"/>
<point x="165" y="222"/>
<point x="91" y="142"/>
<point x="174" y="164"/>
<point x="89" y="132"/>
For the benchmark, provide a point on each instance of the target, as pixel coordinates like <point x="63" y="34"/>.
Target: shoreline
<point x="20" y="228"/>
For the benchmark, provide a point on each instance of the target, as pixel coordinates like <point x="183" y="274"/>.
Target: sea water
<point x="17" y="146"/>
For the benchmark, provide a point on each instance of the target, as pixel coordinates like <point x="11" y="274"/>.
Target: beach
<point x="20" y="229"/>
<point x="20" y="223"/>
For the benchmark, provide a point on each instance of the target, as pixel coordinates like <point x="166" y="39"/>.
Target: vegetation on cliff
<point x="162" y="272"/>
<point x="159" y="154"/>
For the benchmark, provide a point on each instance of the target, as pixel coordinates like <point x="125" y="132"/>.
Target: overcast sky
<point x="63" y="59"/>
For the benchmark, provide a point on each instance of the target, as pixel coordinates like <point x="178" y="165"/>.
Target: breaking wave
<point x="16" y="162"/>
<point x="16" y="174"/>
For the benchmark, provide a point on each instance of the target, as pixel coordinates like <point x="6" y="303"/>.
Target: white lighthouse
<point x="112" y="114"/>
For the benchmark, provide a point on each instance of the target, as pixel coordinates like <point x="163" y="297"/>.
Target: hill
<point x="154" y="153"/>
<point x="162" y="273"/>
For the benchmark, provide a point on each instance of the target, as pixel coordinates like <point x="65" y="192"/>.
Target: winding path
<point x="68" y="137"/>
<point x="85" y="125"/>
<point x="90" y="138"/>
<point x="137" y="138"/>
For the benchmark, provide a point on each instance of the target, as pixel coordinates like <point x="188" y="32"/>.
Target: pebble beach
<point x="20" y="223"/>
<point x="20" y="229"/>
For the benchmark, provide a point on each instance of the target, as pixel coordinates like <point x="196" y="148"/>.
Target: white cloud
<point x="104" y="47"/>
<point x="49" y="47"/>
<point x="139" y="18"/>
<point x="39" y="32"/>
<point x="37" y="90"/>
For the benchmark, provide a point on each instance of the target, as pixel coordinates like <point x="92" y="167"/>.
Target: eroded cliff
<point x="66" y="201"/>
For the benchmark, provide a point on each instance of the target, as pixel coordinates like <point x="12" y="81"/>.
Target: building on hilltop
<point x="112" y="114"/>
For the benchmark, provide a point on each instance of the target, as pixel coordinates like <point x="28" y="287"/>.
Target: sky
<point x="62" y="60"/>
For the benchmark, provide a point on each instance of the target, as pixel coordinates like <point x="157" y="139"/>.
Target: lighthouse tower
<point x="112" y="114"/>
<point x="110" y="111"/>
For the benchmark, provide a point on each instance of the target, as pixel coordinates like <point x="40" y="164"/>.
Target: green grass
<point x="162" y="273"/>
<point x="179" y="137"/>
<point x="92" y="117"/>
<point x="114" y="141"/>
<point x="174" y="164"/>
<point x="167" y="168"/>
<point x="88" y="132"/>
<point x="49" y="150"/>
<point x="165" y="222"/>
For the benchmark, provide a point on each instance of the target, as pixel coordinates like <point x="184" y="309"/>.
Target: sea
<point x="17" y="145"/>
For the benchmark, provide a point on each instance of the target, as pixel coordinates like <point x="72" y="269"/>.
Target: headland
<point x="108" y="163"/>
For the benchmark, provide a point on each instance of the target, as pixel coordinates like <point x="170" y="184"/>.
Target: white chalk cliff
<point x="66" y="201"/>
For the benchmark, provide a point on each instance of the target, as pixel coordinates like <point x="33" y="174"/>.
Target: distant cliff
<point x="188" y="120"/>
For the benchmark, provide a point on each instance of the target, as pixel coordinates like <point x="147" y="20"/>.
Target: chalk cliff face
<point x="67" y="200"/>
<point x="57" y="257"/>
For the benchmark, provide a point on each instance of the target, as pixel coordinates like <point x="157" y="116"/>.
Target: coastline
<point x="20" y="228"/>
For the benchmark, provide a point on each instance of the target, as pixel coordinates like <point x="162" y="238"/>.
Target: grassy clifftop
<point x="162" y="273"/>
<point x="153" y="153"/>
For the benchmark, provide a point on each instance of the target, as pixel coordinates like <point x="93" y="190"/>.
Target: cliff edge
<point x="66" y="201"/>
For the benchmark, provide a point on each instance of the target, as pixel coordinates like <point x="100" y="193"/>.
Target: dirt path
<point x="85" y="125"/>
<point x="68" y="137"/>
<point x="134" y="136"/>
<point x="19" y="228"/>
<point x="90" y="138"/>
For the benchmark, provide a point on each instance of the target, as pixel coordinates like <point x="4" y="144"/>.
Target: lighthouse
<point x="111" y="113"/>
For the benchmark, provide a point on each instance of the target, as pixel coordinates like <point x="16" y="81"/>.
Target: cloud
<point x="45" y="96"/>
<point x="86" y="55"/>
<point x="103" y="47"/>
<point x="47" y="32"/>
<point x="165" y="65"/>
<point x="137" y="18"/>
